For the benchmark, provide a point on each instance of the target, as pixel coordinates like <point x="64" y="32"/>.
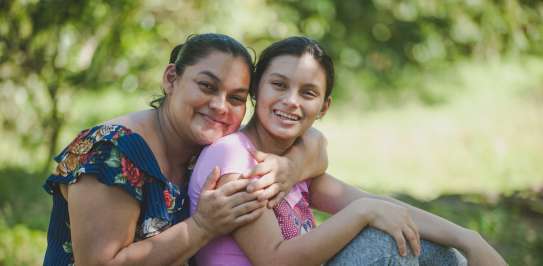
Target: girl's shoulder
<point x="237" y="141"/>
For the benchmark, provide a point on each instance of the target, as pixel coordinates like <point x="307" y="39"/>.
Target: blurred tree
<point x="377" y="42"/>
<point x="50" y="49"/>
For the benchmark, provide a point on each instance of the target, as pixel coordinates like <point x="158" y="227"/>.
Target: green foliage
<point x="22" y="199"/>
<point x="429" y="91"/>
<point x="20" y="245"/>
<point x="381" y="43"/>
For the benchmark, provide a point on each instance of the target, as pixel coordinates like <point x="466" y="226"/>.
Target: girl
<point x="292" y="85"/>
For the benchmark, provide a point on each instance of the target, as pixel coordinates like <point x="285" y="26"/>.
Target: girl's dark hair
<point x="297" y="46"/>
<point x="198" y="46"/>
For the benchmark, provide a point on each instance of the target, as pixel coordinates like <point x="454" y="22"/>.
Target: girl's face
<point x="291" y="95"/>
<point x="207" y="101"/>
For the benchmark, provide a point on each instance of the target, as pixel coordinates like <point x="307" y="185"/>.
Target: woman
<point x="119" y="190"/>
<point x="292" y="86"/>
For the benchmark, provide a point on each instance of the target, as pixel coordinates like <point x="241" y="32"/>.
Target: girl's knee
<point x="372" y="247"/>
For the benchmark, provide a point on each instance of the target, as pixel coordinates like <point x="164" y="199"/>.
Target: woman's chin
<point x="207" y="138"/>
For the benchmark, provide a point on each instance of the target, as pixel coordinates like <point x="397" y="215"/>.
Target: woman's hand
<point x="221" y="210"/>
<point x="277" y="176"/>
<point x="479" y="252"/>
<point x="394" y="220"/>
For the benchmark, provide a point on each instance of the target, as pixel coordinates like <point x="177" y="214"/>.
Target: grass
<point x="487" y="138"/>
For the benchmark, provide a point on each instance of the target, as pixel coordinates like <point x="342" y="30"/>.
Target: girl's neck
<point x="264" y="141"/>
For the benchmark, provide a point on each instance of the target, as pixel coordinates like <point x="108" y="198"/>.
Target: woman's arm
<point x="430" y="226"/>
<point x="103" y="223"/>
<point x="305" y="159"/>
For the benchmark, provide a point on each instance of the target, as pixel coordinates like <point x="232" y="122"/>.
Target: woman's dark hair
<point x="198" y="46"/>
<point x="297" y="46"/>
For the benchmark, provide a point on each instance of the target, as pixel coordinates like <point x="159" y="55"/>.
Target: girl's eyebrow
<point x="307" y="85"/>
<point x="278" y="74"/>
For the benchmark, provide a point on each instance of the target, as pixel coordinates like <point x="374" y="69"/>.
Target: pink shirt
<point x="231" y="155"/>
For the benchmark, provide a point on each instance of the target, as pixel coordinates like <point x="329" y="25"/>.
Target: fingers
<point x="258" y="155"/>
<point x="260" y="183"/>
<point x="276" y="199"/>
<point x="234" y="186"/>
<point x="212" y="179"/>
<point x="249" y="217"/>
<point x="269" y="192"/>
<point x="240" y="198"/>
<point x="400" y="242"/>
<point x="259" y="170"/>
<point x="246" y="208"/>
<point x="415" y="229"/>
<point x="412" y="238"/>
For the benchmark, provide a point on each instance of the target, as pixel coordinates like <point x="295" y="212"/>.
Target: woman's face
<point x="207" y="101"/>
<point x="291" y="95"/>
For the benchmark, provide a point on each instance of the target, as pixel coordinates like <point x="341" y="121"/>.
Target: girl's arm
<point x="263" y="243"/>
<point x="305" y="159"/>
<point x="103" y="222"/>
<point x="336" y="195"/>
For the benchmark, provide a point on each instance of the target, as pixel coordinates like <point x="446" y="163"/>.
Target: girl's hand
<point x="479" y="252"/>
<point x="394" y="220"/>
<point x="221" y="210"/>
<point x="277" y="176"/>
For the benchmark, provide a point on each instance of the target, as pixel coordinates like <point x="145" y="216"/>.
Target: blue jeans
<point x="375" y="247"/>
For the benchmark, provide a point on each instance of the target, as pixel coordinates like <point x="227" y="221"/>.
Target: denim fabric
<point x="375" y="247"/>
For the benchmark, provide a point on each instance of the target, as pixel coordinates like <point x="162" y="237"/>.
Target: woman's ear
<point x="168" y="78"/>
<point x="325" y="107"/>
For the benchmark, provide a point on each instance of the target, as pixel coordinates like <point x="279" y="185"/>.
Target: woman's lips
<point x="214" y="120"/>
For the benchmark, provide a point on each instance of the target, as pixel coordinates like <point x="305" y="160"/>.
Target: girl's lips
<point x="286" y="115"/>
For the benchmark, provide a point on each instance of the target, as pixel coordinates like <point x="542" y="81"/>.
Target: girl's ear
<point x="168" y="78"/>
<point x="325" y="106"/>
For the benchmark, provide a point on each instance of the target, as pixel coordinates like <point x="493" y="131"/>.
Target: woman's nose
<point x="218" y="104"/>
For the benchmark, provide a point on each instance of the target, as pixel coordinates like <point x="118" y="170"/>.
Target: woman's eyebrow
<point x="211" y="75"/>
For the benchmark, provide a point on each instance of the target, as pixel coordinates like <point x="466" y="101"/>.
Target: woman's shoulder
<point x="137" y="122"/>
<point x="113" y="153"/>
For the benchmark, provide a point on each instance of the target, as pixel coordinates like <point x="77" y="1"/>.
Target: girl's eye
<point x="279" y="84"/>
<point x="310" y="94"/>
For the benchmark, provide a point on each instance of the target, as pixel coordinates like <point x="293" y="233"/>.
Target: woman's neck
<point x="264" y="141"/>
<point x="177" y="149"/>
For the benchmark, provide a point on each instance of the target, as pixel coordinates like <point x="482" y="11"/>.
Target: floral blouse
<point x="117" y="157"/>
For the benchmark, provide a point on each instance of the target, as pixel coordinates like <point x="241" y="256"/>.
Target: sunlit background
<point x="437" y="102"/>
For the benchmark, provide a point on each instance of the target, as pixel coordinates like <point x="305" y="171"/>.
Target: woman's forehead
<point x="222" y="67"/>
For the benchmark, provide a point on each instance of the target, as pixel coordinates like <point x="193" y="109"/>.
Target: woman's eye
<point x="205" y="86"/>
<point x="238" y="99"/>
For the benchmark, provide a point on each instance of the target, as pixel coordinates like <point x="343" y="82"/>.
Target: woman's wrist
<point x="196" y="224"/>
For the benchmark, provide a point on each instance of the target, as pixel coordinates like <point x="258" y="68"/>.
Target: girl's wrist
<point x="364" y="209"/>
<point x="467" y="240"/>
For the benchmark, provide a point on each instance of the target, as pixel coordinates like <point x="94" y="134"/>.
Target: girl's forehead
<point x="303" y="68"/>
